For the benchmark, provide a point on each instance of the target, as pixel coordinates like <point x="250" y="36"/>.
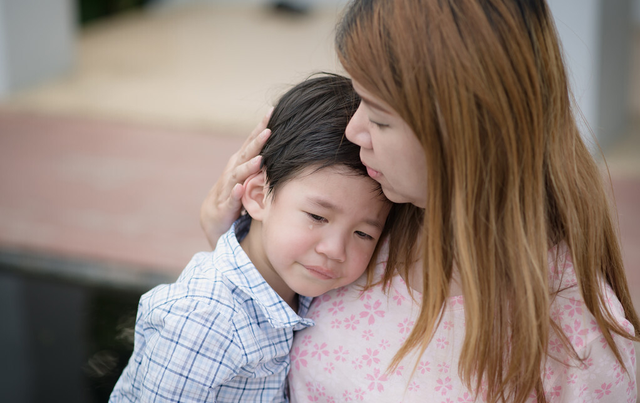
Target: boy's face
<point x="320" y="230"/>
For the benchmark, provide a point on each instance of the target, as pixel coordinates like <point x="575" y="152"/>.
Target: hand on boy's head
<point x="223" y="203"/>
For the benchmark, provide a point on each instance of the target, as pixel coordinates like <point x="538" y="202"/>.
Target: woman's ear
<point x="254" y="198"/>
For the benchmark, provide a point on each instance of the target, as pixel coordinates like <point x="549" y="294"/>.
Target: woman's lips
<point x="370" y="171"/>
<point x="373" y="173"/>
<point x="320" y="272"/>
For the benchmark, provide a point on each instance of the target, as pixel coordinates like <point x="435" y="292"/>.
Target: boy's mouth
<point x="321" y="272"/>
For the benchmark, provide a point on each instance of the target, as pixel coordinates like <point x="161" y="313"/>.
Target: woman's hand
<point x="223" y="204"/>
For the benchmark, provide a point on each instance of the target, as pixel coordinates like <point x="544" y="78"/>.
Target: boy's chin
<point x="312" y="294"/>
<point x="306" y="292"/>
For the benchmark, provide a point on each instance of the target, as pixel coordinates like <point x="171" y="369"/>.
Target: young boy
<point x="223" y="331"/>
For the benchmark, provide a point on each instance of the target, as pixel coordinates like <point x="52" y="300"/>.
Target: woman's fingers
<point x="223" y="204"/>
<point x="229" y="209"/>
<point x="251" y="149"/>
<point x="254" y="143"/>
<point x="236" y="194"/>
<point x="262" y="125"/>
<point x="243" y="171"/>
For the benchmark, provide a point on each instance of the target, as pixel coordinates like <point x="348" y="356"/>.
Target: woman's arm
<point x="223" y="204"/>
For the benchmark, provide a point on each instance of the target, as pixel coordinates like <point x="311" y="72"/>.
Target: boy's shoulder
<point x="209" y="276"/>
<point x="226" y="282"/>
<point x="201" y="286"/>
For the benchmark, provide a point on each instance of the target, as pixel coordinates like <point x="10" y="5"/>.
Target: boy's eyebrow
<point x="324" y="203"/>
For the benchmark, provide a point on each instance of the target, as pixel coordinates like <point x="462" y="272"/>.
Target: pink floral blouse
<point x="345" y="356"/>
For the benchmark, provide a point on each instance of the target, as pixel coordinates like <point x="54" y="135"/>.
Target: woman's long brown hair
<point x="483" y="86"/>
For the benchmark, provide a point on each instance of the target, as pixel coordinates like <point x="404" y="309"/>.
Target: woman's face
<point x="389" y="149"/>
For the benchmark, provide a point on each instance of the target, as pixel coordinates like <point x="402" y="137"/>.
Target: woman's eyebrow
<point x="372" y="104"/>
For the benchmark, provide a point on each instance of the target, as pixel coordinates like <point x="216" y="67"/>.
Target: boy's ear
<point x="254" y="197"/>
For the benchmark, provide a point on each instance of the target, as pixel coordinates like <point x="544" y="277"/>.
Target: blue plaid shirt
<point x="220" y="333"/>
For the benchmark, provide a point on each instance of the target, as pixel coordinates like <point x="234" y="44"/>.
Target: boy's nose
<point x="358" y="129"/>
<point x="333" y="247"/>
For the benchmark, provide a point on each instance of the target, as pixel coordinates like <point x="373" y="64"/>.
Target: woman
<point x="519" y="292"/>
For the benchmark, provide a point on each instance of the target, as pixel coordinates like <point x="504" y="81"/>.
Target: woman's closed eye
<point x="380" y="125"/>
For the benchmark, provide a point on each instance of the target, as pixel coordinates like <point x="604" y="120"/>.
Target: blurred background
<point x="116" y="117"/>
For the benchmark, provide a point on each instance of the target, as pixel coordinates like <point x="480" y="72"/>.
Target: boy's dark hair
<point x="307" y="130"/>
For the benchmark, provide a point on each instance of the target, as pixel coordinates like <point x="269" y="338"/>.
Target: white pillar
<point x="37" y="41"/>
<point x="596" y="36"/>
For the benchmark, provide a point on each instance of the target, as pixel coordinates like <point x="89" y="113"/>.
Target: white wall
<point x="316" y="3"/>
<point x="4" y="68"/>
<point x="37" y="41"/>
<point x="596" y="37"/>
<point x="579" y="29"/>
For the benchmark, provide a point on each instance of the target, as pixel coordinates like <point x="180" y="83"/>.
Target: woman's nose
<point x="333" y="246"/>
<point x="358" y="129"/>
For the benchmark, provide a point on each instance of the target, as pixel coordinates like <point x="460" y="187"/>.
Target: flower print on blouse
<point x="344" y="358"/>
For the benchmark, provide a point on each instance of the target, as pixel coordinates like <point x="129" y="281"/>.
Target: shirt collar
<point x="242" y="273"/>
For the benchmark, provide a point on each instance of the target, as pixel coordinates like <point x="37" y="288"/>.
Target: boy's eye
<point x="316" y="217"/>
<point x="364" y="235"/>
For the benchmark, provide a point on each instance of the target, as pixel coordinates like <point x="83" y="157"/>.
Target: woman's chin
<point x="396" y="197"/>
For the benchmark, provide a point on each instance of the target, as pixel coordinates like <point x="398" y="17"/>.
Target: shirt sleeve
<point x="190" y="350"/>
<point x="599" y="378"/>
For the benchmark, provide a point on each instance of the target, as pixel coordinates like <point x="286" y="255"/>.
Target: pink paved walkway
<point x="130" y="195"/>
<point x="627" y="196"/>
<point x="99" y="191"/>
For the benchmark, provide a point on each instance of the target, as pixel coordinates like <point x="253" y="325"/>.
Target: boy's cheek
<point x="360" y="266"/>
